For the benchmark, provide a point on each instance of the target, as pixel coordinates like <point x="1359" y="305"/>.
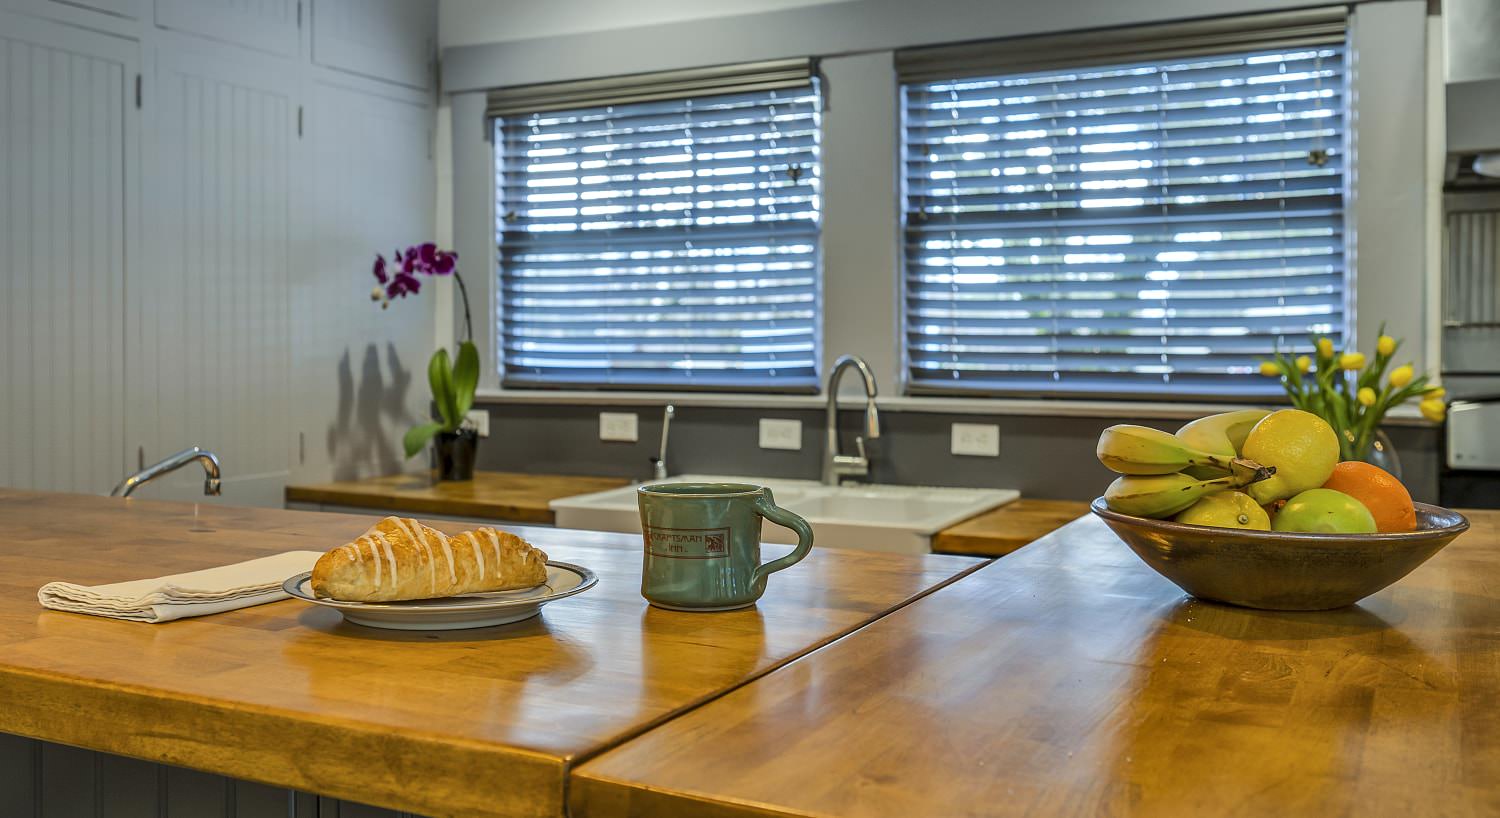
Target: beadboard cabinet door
<point x="391" y="40"/>
<point x="211" y="333"/>
<point x="67" y="129"/>
<point x="266" y="25"/>
<point x="371" y="176"/>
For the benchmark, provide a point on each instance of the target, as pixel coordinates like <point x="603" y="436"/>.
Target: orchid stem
<point x="468" y="322"/>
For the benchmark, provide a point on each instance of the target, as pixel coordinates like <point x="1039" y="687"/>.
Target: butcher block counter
<point x="506" y="496"/>
<point x="1068" y="679"/>
<point x="524" y="498"/>
<point x="485" y="722"/>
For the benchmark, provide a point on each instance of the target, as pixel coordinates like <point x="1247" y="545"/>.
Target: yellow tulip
<point x="1325" y="348"/>
<point x="1366" y="396"/>
<point x="1352" y="360"/>
<point x="1401" y="376"/>
<point x="1433" y="409"/>
<point x="1304" y="363"/>
<point x="1434" y="392"/>
<point x="1386" y="345"/>
<point x="1270" y="369"/>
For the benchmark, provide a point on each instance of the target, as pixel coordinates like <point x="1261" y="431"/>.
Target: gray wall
<point x="1043" y="457"/>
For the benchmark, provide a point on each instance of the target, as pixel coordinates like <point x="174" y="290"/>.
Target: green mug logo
<point x="688" y="543"/>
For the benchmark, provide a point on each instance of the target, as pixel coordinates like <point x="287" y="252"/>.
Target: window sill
<point x="1056" y="407"/>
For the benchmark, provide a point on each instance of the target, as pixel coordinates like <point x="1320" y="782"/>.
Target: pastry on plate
<point x="399" y="558"/>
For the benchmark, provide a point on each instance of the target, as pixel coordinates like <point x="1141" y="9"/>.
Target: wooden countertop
<point x="467" y="723"/>
<point x="520" y="498"/>
<point x="524" y="498"/>
<point x="1000" y="531"/>
<point x="1068" y="679"/>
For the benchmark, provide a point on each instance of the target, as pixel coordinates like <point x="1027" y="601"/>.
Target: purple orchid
<point x="400" y="276"/>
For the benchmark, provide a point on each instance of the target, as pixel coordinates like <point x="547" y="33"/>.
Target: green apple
<point x="1324" y="511"/>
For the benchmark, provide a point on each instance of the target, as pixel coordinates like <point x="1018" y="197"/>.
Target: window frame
<point x="795" y="76"/>
<point x="1058" y="52"/>
<point x="1388" y="211"/>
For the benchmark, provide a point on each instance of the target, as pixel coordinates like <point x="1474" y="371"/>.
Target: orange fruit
<point x="1379" y="491"/>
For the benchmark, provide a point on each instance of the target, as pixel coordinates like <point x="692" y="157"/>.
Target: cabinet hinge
<point x="299" y="121"/>
<point x="137" y="90"/>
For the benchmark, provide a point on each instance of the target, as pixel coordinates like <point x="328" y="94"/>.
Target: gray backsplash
<point x="1043" y="457"/>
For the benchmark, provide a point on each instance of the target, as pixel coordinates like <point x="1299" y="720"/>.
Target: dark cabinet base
<point x="39" y="779"/>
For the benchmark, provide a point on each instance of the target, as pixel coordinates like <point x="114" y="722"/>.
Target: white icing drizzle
<point x="352" y="550"/>
<point x="374" y="554"/>
<point x="420" y="538"/>
<point x="478" y="552"/>
<point x="389" y="554"/>
<point x="448" y="552"/>
<point x="495" y="541"/>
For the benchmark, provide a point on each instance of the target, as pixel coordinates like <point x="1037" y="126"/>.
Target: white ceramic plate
<point x="452" y="613"/>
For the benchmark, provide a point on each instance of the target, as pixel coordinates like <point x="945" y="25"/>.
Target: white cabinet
<point x="67" y="125"/>
<point x="129" y="9"/>
<point x="212" y="355"/>
<point x="266" y="25"/>
<point x="371" y="189"/>
<point x="392" y="40"/>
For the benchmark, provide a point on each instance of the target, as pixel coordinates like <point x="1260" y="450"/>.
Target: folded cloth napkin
<point x="196" y="593"/>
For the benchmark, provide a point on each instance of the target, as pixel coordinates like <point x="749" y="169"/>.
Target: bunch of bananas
<point x="1163" y="474"/>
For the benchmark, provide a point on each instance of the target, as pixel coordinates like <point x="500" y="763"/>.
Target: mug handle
<point x="765" y="506"/>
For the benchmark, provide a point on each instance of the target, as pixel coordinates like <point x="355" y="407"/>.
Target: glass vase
<point x="1383" y="454"/>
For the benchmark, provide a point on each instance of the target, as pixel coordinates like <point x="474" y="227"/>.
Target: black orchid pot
<point x="455" y="454"/>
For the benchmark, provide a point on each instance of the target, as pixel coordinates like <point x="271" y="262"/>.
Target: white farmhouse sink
<point x="864" y="517"/>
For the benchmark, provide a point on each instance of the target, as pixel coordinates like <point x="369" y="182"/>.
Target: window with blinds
<point x="1129" y="229"/>
<point x="663" y="244"/>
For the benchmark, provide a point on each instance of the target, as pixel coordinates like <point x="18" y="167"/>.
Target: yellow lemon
<point x="1227" y="509"/>
<point x="1303" y="448"/>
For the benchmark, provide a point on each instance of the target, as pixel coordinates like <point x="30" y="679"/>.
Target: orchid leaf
<point x="440" y="378"/>
<point x="417" y="436"/>
<point x="465" y="379"/>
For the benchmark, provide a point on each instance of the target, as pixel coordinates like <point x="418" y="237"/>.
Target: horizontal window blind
<point x="663" y="244"/>
<point x="1126" y="228"/>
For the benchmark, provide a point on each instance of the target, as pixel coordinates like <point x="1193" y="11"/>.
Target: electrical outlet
<point x="779" y="433"/>
<point x="480" y="420"/>
<point x="619" y="426"/>
<point x="976" y="439"/>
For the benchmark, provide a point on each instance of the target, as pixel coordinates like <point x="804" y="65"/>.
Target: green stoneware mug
<point x="702" y="544"/>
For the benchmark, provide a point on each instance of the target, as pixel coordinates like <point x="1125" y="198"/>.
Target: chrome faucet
<point x="209" y="460"/>
<point x="659" y="463"/>
<point x="838" y="466"/>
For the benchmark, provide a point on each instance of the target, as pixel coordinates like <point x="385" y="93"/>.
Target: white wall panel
<point x="393" y="40"/>
<point x="371" y="190"/>
<point x="267" y="25"/>
<point x="65" y="131"/>
<point x="211" y="313"/>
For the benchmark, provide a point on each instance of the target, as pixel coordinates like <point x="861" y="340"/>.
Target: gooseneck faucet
<point x="837" y="466"/>
<point x="209" y="460"/>
<point x="659" y="463"/>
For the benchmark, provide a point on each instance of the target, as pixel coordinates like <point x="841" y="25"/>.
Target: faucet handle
<point x="859" y="444"/>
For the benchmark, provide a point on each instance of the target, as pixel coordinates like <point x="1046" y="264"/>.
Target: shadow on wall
<point x="372" y="415"/>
